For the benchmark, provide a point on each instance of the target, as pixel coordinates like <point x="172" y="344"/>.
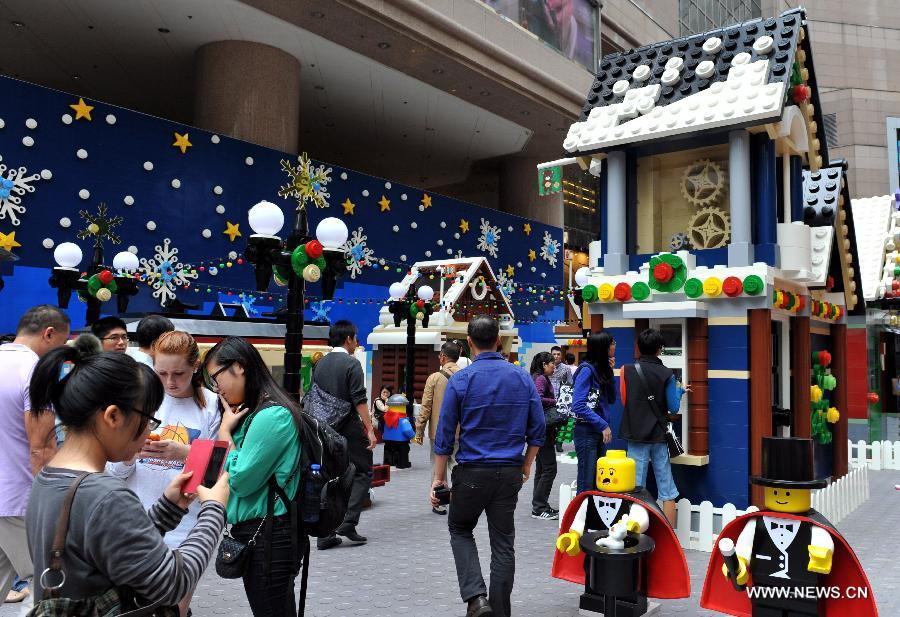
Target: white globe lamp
<point x="332" y="233"/>
<point x="266" y="219"/>
<point x="126" y="260"/>
<point x="67" y="255"/>
<point x="425" y="293"/>
<point x="581" y="276"/>
<point x="397" y="290"/>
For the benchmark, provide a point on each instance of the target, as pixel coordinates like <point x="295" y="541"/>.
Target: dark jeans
<point x="396" y="453"/>
<point x="361" y="457"/>
<point x="589" y="447"/>
<point x="270" y="586"/>
<point x="544" y="475"/>
<point x="494" y="491"/>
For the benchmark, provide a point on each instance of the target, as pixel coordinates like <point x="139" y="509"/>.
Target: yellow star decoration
<point x="231" y="230"/>
<point x="348" y="206"/>
<point x="82" y="109"/>
<point x="181" y="142"/>
<point x="532" y="255"/>
<point x="527" y="229"/>
<point x="464" y="226"/>
<point x="510" y="271"/>
<point x="426" y="200"/>
<point x="385" y="203"/>
<point x="8" y="241"/>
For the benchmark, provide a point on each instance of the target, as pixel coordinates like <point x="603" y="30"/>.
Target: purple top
<point x="545" y="391"/>
<point x="16" y="364"/>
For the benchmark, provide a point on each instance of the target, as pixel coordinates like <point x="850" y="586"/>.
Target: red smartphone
<point x="206" y="459"/>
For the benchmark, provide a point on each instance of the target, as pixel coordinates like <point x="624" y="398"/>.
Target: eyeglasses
<point x="210" y="380"/>
<point x="116" y="338"/>
<point x="152" y="422"/>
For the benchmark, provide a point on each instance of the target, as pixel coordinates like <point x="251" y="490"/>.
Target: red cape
<point x="667" y="571"/>
<point x="719" y="595"/>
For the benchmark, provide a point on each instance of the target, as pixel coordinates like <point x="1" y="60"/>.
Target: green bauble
<point x="299" y="259"/>
<point x="589" y="293"/>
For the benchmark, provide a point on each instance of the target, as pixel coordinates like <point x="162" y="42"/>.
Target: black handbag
<point x="234" y="556"/>
<point x="672" y="441"/>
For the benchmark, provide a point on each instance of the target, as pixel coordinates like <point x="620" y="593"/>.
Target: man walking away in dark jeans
<point x="498" y="412"/>
<point x="340" y="374"/>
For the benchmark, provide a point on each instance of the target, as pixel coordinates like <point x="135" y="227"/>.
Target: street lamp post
<point x="412" y="307"/>
<point x="297" y="260"/>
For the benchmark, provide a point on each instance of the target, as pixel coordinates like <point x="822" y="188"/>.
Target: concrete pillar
<point x="249" y="91"/>
<point x="615" y="261"/>
<point x="519" y="192"/>
<point x="740" y="250"/>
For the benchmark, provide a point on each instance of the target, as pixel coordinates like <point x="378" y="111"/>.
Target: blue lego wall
<point x="57" y="164"/>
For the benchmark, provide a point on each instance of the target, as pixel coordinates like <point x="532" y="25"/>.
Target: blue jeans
<point x="589" y="447"/>
<point x="658" y="455"/>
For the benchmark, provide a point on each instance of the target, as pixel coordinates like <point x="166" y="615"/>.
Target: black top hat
<point x="787" y="462"/>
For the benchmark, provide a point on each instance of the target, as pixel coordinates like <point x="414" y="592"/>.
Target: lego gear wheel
<point x="680" y="241"/>
<point x="702" y="182"/>
<point x="710" y="228"/>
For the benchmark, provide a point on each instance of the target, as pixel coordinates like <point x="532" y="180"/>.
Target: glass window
<point x="697" y="16"/>
<point x="672" y="337"/>
<point x="683" y="200"/>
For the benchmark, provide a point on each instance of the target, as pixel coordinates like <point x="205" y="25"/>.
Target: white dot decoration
<point x="620" y="87"/>
<point x="31" y="123"/>
<point x="427" y="253"/>
<point x="343" y="175"/>
<point x="151" y="225"/>
<point x="365" y="193"/>
<point x="543" y="275"/>
<point x="84" y="194"/>
<point x="129" y="200"/>
<point x="763" y="45"/>
<point x="48" y="243"/>
<point x="402" y="257"/>
<point x="65" y="222"/>
<point x="110" y="119"/>
<point x="705" y="69"/>
<point x="2" y="123"/>
<point x="396" y="228"/>
<point x="217" y="190"/>
<point x="456" y="235"/>
<point x="232" y="254"/>
<point x="421" y="208"/>
<point x="440" y="243"/>
<point x="28" y="141"/>
<point x="670" y="77"/>
<point x="712" y="45"/>
<point x="387" y="185"/>
<point x="535" y="313"/>
<point x="46" y="174"/>
<point x="533" y="269"/>
<point x="403" y="196"/>
<point x="675" y="63"/>
<point x="518" y="264"/>
<point x="641" y="73"/>
<point x="249" y="160"/>
<point x="132" y="249"/>
<point x="510" y="228"/>
<point x="741" y="58"/>
<point x="220" y="209"/>
<point x="148" y="166"/>
<point x="176" y="183"/>
<point x="214" y="139"/>
<point x="206" y="233"/>
<point x="81" y="153"/>
<point x="449" y="251"/>
<point x="66" y="119"/>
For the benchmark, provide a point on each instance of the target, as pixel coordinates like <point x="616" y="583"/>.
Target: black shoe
<point x="442" y="510"/>
<point x="349" y="532"/>
<point x="479" y="607"/>
<point x="323" y="544"/>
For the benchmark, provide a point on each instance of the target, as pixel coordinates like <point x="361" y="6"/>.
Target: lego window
<point x="683" y="202"/>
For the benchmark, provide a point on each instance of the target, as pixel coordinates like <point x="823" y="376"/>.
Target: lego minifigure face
<point x="791" y="500"/>
<point x="615" y="472"/>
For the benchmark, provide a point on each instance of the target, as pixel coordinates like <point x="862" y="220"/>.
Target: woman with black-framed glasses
<point x="107" y="404"/>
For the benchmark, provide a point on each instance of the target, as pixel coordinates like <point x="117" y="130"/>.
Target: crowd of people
<point x="101" y="431"/>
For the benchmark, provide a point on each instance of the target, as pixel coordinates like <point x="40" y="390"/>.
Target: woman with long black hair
<point x="592" y="396"/>
<point x="263" y="423"/>
<point x="106" y="403"/>
<point x="542" y="367"/>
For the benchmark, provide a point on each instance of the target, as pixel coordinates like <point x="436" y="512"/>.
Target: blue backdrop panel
<point x="127" y="160"/>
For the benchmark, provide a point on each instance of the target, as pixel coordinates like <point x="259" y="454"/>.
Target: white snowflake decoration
<point x="489" y="240"/>
<point x="14" y="183"/>
<point x="506" y="284"/>
<point x="356" y="252"/>
<point x="550" y="250"/>
<point x="164" y="273"/>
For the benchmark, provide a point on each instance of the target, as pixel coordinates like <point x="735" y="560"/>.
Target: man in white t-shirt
<point x="26" y="442"/>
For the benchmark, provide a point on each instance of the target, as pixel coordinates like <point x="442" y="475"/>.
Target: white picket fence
<point x="698" y="526"/>
<point x="876" y="455"/>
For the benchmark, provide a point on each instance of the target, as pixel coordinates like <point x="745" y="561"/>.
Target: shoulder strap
<point x="651" y="398"/>
<point x="59" y="539"/>
<point x="445" y="374"/>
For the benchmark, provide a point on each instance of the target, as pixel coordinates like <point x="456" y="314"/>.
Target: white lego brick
<point x="794" y="242"/>
<point x="872" y="219"/>
<point x="660" y="310"/>
<point x="821" y="241"/>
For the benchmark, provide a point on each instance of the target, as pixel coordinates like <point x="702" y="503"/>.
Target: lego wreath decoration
<point x="667" y="273"/>
<point x="307" y="261"/>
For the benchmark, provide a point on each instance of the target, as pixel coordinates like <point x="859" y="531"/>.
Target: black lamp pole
<point x="402" y="309"/>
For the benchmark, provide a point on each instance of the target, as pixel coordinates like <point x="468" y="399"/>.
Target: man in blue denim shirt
<point x="498" y="411"/>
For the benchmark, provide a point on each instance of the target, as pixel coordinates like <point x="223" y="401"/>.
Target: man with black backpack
<point x="338" y="375"/>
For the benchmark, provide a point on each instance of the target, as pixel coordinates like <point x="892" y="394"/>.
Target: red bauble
<point x="872" y="397"/>
<point x="801" y="93"/>
<point x="801" y="302"/>
<point x="824" y="358"/>
<point x="622" y="292"/>
<point x="732" y="286"/>
<point x="420" y="304"/>
<point x="314" y="249"/>
<point x="663" y="272"/>
<point x="105" y="277"/>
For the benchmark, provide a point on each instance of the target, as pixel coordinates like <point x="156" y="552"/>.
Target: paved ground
<point x="407" y="567"/>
